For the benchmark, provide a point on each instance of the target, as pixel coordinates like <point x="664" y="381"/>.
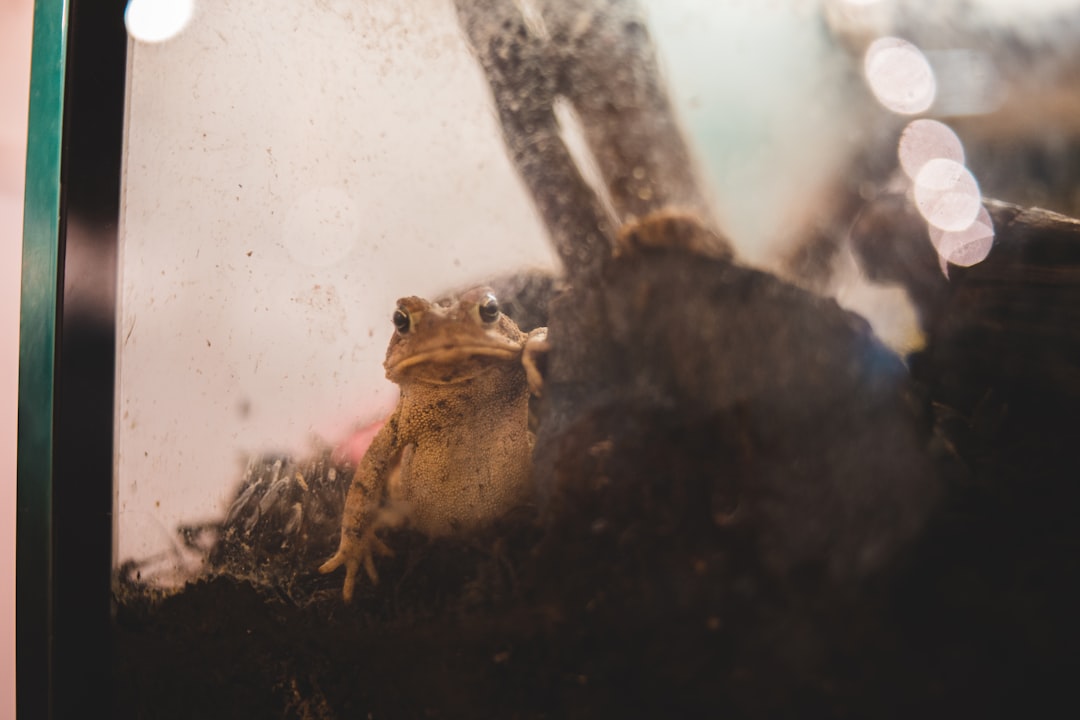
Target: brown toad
<point x="457" y="451"/>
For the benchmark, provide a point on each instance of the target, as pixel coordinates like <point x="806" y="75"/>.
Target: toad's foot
<point x="354" y="551"/>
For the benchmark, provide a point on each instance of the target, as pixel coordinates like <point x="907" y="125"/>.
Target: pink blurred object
<point x="353" y="447"/>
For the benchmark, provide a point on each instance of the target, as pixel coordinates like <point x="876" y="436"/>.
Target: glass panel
<point x="796" y="435"/>
<point x="290" y="174"/>
<point x="30" y="591"/>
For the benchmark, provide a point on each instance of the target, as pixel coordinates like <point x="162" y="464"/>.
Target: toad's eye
<point x="489" y="309"/>
<point x="401" y="321"/>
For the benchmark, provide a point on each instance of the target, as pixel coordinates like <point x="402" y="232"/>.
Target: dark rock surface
<point x="751" y="509"/>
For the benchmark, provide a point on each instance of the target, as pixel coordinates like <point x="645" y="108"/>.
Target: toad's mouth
<point x="452" y="354"/>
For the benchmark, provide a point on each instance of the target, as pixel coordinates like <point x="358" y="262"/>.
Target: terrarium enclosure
<point x="797" y="438"/>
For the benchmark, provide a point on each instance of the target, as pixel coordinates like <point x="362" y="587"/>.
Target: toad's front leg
<point x="365" y="513"/>
<point x="534" y="358"/>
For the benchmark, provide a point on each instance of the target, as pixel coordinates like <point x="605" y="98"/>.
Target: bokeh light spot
<point x="154" y="21"/>
<point x="899" y="75"/>
<point x="924" y="140"/>
<point x="947" y="195"/>
<point x="966" y="247"/>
